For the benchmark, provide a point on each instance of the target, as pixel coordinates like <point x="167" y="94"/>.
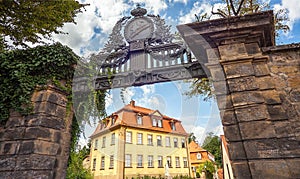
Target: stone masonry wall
<point x="37" y="145"/>
<point x="257" y="86"/>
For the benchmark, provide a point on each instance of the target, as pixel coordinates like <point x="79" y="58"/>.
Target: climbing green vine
<point x="22" y="71"/>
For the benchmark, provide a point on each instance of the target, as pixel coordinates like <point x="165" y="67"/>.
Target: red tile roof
<point x="127" y="116"/>
<point x="194" y="147"/>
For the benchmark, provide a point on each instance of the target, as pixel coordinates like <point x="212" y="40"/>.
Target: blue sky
<point x="94" y="25"/>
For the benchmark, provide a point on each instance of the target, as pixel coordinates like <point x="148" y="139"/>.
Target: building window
<point x="185" y="163"/>
<point x="160" y="161"/>
<point x="103" y="142"/>
<point x="183" y="143"/>
<point x="150" y="161"/>
<point x="94" y="164"/>
<point x="173" y="126"/>
<point x="154" y="122"/>
<point x="177" y="162"/>
<point x="169" y="161"/>
<point x="175" y="142"/>
<point x="96" y="144"/>
<point x="139" y="138"/>
<point x="111" y="162"/>
<point x="113" y="120"/>
<point x="113" y="138"/>
<point x="139" y="120"/>
<point x="159" y="123"/>
<point x="128" y="160"/>
<point x="150" y="139"/>
<point x="199" y="157"/>
<point x="168" y="142"/>
<point x="128" y="137"/>
<point x="159" y="143"/>
<point x="140" y="161"/>
<point x="102" y="163"/>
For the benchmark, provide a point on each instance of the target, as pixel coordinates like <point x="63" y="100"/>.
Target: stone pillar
<point x="37" y="145"/>
<point x="259" y="117"/>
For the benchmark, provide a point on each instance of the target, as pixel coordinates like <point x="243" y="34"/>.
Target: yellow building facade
<point x="137" y="141"/>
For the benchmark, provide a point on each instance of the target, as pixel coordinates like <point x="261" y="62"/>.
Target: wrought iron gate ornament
<point x="143" y="54"/>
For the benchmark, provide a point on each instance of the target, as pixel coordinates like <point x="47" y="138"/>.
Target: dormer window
<point x="199" y="157"/>
<point x="159" y="123"/>
<point x="154" y="122"/>
<point x="139" y="120"/>
<point x="173" y="126"/>
<point x="113" y="120"/>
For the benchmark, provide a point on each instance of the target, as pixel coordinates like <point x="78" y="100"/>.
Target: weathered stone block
<point x="295" y="95"/>
<point x="16" y="121"/>
<point x="257" y="130"/>
<point x="276" y="112"/>
<point x="13" y="133"/>
<point x="9" y="148"/>
<point x="269" y="169"/>
<point x="265" y="82"/>
<point x="252" y="113"/>
<point x="261" y="68"/>
<point x="253" y="49"/>
<point x="235" y="70"/>
<point x="284" y="69"/>
<point x="216" y="72"/>
<point x="241" y="170"/>
<point x="232" y="133"/>
<point x="224" y="102"/>
<point x="228" y="117"/>
<point x="46" y="148"/>
<point x="26" y="147"/>
<point x="213" y="55"/>
<point x="7" y="163"/>
<point x="281" y="128"/>
<point x="246" y="98"/>
<point x="35" y="162"/>
<point x="46" y="121"/>
<point x="220" y="87"/>
<point x="232" y="51"/>
<point x="294" y="82"/>
<point x="293" y="165"/>
<point x="289" y="147"/>
<point x="262" y="149"/>
<point x="37" y="133"/>
<point x="236" y="151"/>
<point x="271" y="97"/>
<point x="242" y="84"/>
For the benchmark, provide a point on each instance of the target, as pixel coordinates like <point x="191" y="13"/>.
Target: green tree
<point x="192" y="137"/>
<point x="208" y="168"/>
<point x="213" y="145"/>
<point x="30" y="20"/>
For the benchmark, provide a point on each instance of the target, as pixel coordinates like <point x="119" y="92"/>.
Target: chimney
<point x="132" y="103"/>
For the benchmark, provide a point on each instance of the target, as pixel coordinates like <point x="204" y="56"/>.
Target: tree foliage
<point x="192" y="137"/>
<point x="22" y="71"/>
<point x="201" y="86"/>
<point x="213" y="145"/>
<point x="208" y="168"/>
<point x="30" y="20"/>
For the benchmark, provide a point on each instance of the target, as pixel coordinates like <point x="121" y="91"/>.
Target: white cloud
<point x="182" y="1"/>
<point x="153" y="6"/>
<point x="198" y="8"/>
<point x="292" y="7"/>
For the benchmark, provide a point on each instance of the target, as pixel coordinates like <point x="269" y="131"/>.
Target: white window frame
<point x="102" y="166"/>
<point x="150" y="161"/>
<point x="139" y="138"/>
<point x="159" y="140"/>
<point x="160" y="161"/>
<point x="127" y="160"/>
<point x="103" y="141"/>
<point x="175" y="142"/>
<point x="139" y="160"/>
<point x="139" y="120"/>
<point x="113" y="138"/>
<point x="128" y="137"/>
<point x="111" y="161"/>
<point x="168" y="142"/>
<point x="150" y="139"/>
<point x="177" y="162"/>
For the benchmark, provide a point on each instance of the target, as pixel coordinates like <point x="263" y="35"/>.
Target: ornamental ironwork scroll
<point x="140" y="50"/>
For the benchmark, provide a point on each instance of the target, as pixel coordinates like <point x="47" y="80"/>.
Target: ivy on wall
<point x="21" y="71"/>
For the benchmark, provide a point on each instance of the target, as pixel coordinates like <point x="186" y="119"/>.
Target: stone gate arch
<point x="257" y="87"/>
